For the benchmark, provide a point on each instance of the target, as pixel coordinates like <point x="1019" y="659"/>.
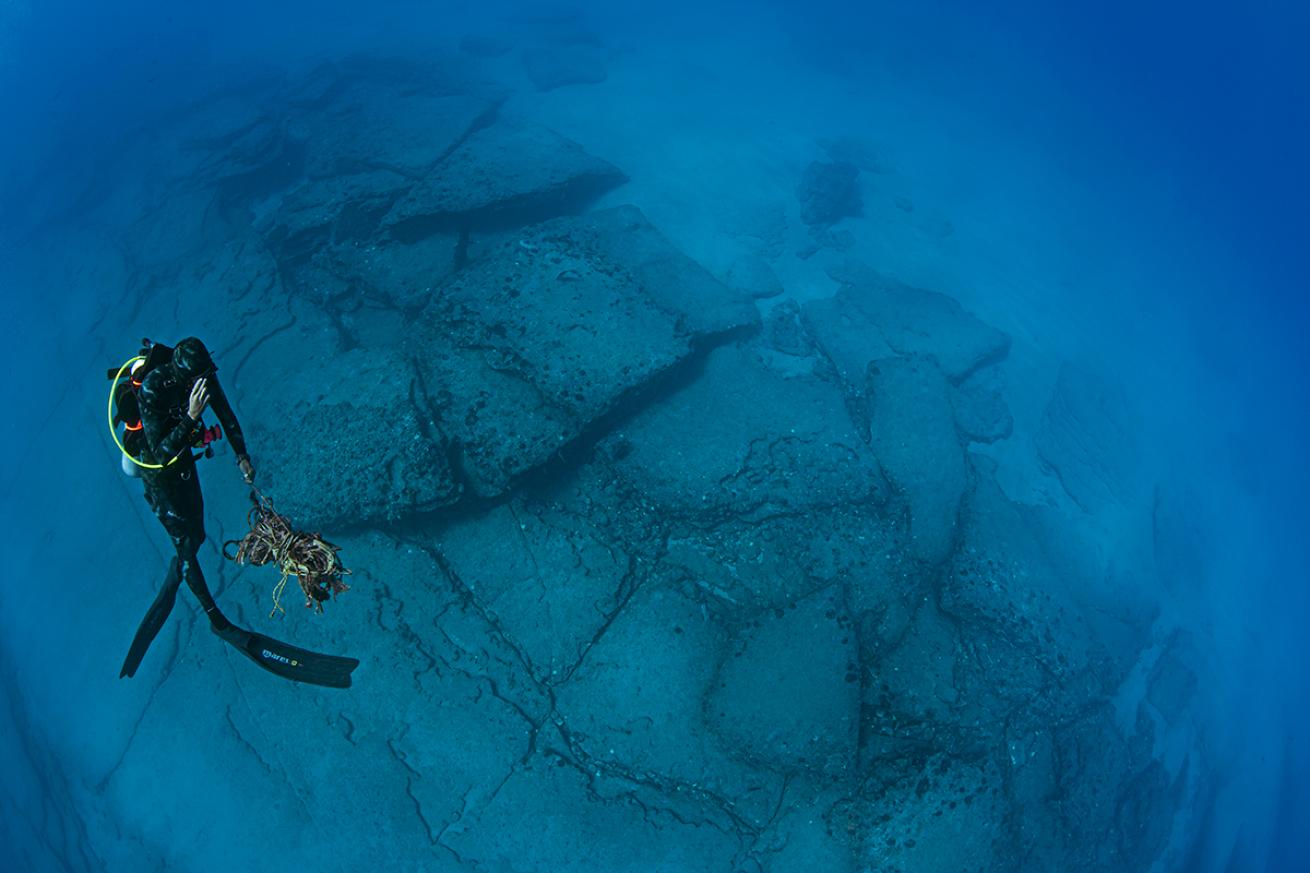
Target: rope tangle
<point x="307" y="556"/>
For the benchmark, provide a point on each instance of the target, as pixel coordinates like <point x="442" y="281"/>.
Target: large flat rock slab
<point x="360" y="155"/>
<point x="671" y="279"/>
<point x="981" y="413"/>
<point x="328" y="211"/>
<point x="385" y="129"/>
<point x="509" y="173"/>
<point x="1062" y="631"/>
<point x="743" y="440"/>
<point x="583" y="822"/>
<point x="351" y="444"/>
<point x="913" y="435"/>
<point x="788" y="693"/>
<point x="484" y="373"/>
<point x="522" y="351"/>
<point x="336" y="433"/>
<point x="548" y="579"/>
<point x="639" y="701"/>
<point x="872" y="316"/>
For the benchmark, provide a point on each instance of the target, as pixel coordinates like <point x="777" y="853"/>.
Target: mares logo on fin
<point x="280" y="658"/>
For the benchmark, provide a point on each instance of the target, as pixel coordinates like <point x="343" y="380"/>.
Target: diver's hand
<point x="199" y="398"/>
<point x="247" y="469"/>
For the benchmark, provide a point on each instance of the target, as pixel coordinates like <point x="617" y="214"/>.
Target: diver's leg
<point x="181" y="508"/>
<point x="159" y="611"/>
<point x="153" y="622"/>
<point x="195" y="580"/>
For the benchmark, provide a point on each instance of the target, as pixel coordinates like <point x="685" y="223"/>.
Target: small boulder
<point x="783" y="331"/>
<point x="981" y="413"/>
<point x="828" y="193"/>
<point x="853" y="150"/>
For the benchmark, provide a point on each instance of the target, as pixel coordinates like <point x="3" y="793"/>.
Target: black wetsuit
<point x="174" y="491"/>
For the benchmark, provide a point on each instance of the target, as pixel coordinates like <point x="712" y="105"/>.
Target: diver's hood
<point x="191" y="359"/>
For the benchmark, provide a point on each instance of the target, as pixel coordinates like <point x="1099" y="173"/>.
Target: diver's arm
<point x="227" y="417"/>
<point x="165" y="442"/>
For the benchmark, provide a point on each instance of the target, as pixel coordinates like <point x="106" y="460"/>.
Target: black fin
<point x="289" y="662"/>
<point x="154" y="620"/>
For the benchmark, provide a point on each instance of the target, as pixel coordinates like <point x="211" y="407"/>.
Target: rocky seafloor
<point x="654" y="569"/>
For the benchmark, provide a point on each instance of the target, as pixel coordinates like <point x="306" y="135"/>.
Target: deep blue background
<point x="1203" y="107"/>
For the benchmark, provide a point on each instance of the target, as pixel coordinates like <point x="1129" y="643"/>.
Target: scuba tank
<point x="125" y="403"/>
<point x="125" y="409"/>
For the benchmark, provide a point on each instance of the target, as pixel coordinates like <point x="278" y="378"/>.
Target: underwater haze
<point x="762" y="437"/>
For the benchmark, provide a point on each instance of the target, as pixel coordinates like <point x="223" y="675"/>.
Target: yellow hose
<point x="114" y="433"/>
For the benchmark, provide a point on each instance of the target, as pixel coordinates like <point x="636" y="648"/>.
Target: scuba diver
<point x="161" y="409"/>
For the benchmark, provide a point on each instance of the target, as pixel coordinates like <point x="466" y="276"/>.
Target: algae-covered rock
<point x="828" y="193"/>
<point x="942" y="818"/>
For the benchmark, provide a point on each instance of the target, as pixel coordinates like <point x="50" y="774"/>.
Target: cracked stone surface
<point x="510" y="350"/>
<point x="775" y="445"/>
<point x="787" y="695"/>
<point x="374" y="454"/>
<point x="380" y="129"/>
<point x="514" y="559"/>
<point x="636" y="704"/>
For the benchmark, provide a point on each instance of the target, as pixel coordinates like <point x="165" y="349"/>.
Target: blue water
<point x="1118" y="190"/>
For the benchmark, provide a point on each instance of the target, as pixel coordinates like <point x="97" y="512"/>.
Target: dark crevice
<point x="512" y="213"/>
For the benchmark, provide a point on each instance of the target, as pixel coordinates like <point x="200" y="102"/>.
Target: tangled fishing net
<point x="307" y="556"/>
